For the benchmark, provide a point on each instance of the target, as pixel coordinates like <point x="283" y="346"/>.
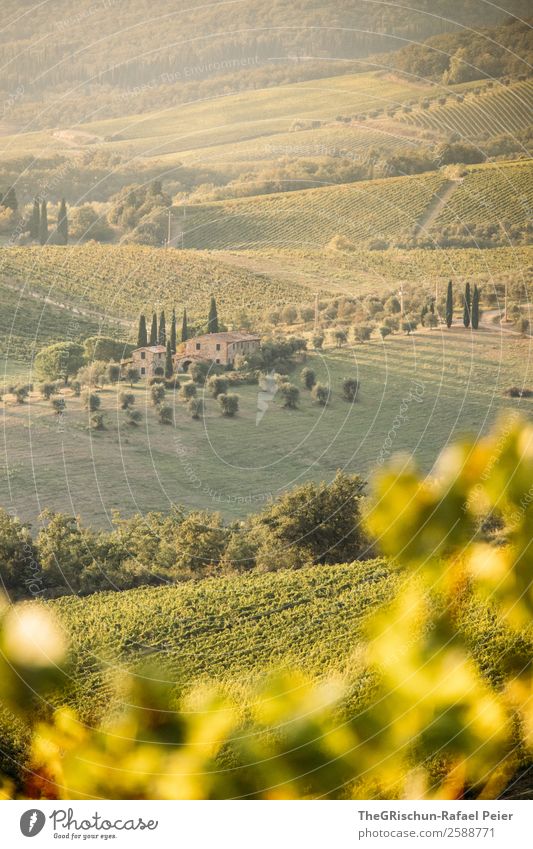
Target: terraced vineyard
<point x="120" y="281"/>
<point x="504" y="109"/>
<point x="310" y="219"/>
<point x="491" y="193"/>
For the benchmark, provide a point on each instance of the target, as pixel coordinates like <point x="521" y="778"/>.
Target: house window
<point x="198" y="346"/>
<point x="143" y="371"/>
<point x="218" y="346"/>
<point x="143" y="355"/>
<point x="217" y="360"/>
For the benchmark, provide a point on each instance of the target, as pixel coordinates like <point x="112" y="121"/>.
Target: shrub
<point x="196" y="408"/>
<point x="21" y="392"/>
<point x="289" y="314"/>
<point x="172" y="384"/>
<point x="165" y="414"/>
<point x="157" y="394"/>
<point x="47" y="390"/>
<point x="516" y="392"/>
<point x="307" y="314"/>
<point x="91" y="401"/>
<point x="362" y="332"/>
<point x="290" y="394"/>
<point x="96" y="421"/>
<point x="76" y="388"/>
<point x="126" y="400"/>
<point x="217" y="386"/>
<point x="229" y="404"/>
<point x="58" y="405"/>
<point x="133" y="376"/>
<point x="350" y="388"/>
<point x="188" y="391"/>
<point x="341" y="337"/>
<point x="321" y="394"/>
<point x="113" y="373"/>
<point x="385" y="331"/>
<point x="133" y="417"/>
<point x="318" y="341"/>
<point x="199" y="372"/>
<point x="308" y="378"/>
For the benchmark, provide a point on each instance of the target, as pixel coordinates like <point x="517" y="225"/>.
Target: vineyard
<point x="505" y="109"/>
<point x="120" y="281"/>
<point x="492" y="193"/>
<point x="378" y="209"/>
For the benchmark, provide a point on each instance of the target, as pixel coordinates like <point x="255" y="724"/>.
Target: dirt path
<point x="436" y="205"/>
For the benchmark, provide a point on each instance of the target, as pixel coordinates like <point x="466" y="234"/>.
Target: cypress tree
<point x="449" y="305"/>
<point x="142" y="337"/>
<point x="35" y="220"/>
<point x="62" y="224"/>
<point x="475" y="308"/>
<point x="153" y="330"/>
<point x="184" y="327"/>
<point x="467" y="309"/>
<point x="169" y="365"/>
<point x="9" y="200"/>
<point x="173" y="338"/>
<point x="162" y="337"/>
<point x="212" y="321"/>
<point x="43" y="224"/>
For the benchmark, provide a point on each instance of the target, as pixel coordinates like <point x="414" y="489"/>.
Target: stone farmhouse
<point x="146" y="360"/>
<point x="219" y="348"/>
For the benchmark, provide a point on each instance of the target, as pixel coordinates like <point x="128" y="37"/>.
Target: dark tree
<point x="153" y="330"/>
<point x="449" y="305"/>
<point x="212" y="321"/>
<point x="142" y="336"/>
<point x="173" y="338"/>
<point x="35" y="220"/>
<point x="43" y="224"/>
<point x="62" y="224"/>
<point x="162" y="336"/>
<point x="169" y="365"/>
<point x="475" y="308"/>
<point x="467" y="306"/>
<point x="9" y="200"/>
<point x="184" y="327"/>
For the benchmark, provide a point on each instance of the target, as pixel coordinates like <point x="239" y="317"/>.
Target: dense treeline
<point x="86" y="49"/>
<point x="312" y="524"/>
<point x="464" y="56"/>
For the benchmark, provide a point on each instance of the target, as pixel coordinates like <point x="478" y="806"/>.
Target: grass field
<point x="234" y="466"/>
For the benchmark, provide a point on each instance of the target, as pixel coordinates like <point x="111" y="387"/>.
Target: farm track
<point x="436" y="205"/>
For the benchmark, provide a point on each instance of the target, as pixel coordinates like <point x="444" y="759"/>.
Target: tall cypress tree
<point x="173" y="339"/>
<point x="35" y="220"/>
<point x="467" y="308"/>
<point x="169" y="365"/>
<point x="449" y="305"/>
<point x="212" y="321"/>
<point x="475" y="308"/>
<point x="162" y="336"/>
<point x="43" y="224"/>
<point x="153" y="330"/>
<point x="142" y="336"/>
<point x="184" y="327"/>
<point x="62" y="224"/>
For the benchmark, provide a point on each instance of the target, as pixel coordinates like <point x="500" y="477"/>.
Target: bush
<point x="126" y="400"/>
<point x="321" y="394"/>
<point x="199" y="372"/>
<point x="21" y="392"/>
<point x="350" y="388"/>
<point x="318" y="341"/>
<point x="229" y="404"/>
<point x="289" y="314"/>
<point x="133" y="417"/>
<point x="91" y="401"/>
<point x="290" y="394"/>
<point x="188" y="391"/>
<point x="157" y="394"/>
<point x="217" y="386"/>
<point x="76" y="388"/>
<point x="47" y="390"/>
<point x="196" y="408"/>
<point x="385" y="331"/>
<point x="113" y="373"/>
<point x="165" y="414"/>
<point x="58" y="405"/>
<point x="362" y="332"/>
<point x="172" y="383"/>
<point x="133" y="376"/>
<point x="96" y="422"/>
<point x="341" y="337"/>
<point x="516" y="392"/>
<point x="308" y="378"/>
